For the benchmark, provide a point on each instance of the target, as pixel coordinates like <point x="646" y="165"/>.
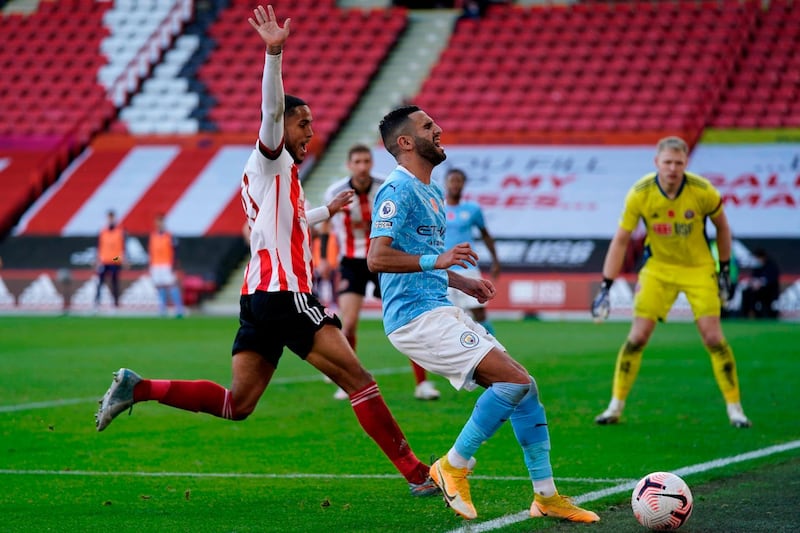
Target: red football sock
<point x="198" y="396"/>
<point x="419" y="372"/>
<point x="376" y="419"/>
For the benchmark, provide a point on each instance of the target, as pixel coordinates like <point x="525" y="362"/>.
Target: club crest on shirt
<point x="689" y="214"/>
<point x="387" y="209"/>
<point x="469" y="339"/>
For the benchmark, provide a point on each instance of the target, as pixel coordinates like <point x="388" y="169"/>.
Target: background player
<point x="110" y="257"/>
<point x="674" y="204"/>
<point x="161" y="250"/>
<point x="351" y="229"/>
<point x="462" y="219"/>
<point x="277" y="307"/>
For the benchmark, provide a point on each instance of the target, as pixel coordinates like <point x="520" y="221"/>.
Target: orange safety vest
<point x="111" y="245"/>
<point x="160" y="248"/>
<point x="333" y="251"/>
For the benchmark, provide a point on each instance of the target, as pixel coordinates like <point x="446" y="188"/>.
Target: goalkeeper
<point x="674" y="205"/>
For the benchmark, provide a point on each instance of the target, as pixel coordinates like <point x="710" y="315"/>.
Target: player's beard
<point x="428" y="151"/>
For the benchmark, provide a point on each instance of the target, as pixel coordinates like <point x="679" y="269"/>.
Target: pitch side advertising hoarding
<point x="578" y="191"/>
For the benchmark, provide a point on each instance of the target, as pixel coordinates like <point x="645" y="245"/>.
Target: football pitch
<point x="302" y="463"/>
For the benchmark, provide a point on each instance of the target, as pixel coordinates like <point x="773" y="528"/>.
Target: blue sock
<point x="175" y="295"/>
<point x="492" y="409"/>
<point x="530" y="427"/>
<point x="489" y="327"/>
<point x="162" y="300"/>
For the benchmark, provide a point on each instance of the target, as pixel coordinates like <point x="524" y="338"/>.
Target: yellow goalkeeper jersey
<point x="675" y="227"/>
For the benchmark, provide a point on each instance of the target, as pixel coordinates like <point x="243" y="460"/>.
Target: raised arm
<point x="272" y="96"/>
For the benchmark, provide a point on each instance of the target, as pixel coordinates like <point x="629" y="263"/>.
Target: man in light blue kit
<point x="462" y="219"/>
<point x="407" y="249"/>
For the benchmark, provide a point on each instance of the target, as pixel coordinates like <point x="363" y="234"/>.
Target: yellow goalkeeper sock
<point x="629" y="359"/>
<point x="724" y="366"/>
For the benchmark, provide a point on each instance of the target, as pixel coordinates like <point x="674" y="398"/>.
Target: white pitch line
<point x="508" y="520"/>
<point x="44" y="405"/>
<point x="255" y="475"/>
<point x="277" y="381"/>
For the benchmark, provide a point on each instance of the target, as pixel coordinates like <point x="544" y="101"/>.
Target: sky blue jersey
<point x="461" y="219"/>
<point x="413" y="215"/>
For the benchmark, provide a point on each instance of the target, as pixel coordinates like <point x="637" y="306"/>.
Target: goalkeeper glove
<point x="724" y="281"/>
<point x="601" y="305"/>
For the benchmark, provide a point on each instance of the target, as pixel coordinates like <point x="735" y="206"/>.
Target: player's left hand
<point x="482" y="290"/>
<point x="601" y="304"/>
<point x="724" y="282"/>
<point x="340" y="200"/>
<point x="266" y="24"/>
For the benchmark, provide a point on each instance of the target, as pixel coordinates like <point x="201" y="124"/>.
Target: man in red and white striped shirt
<point x="277" y="308"/>
<point x="351" y="227"/>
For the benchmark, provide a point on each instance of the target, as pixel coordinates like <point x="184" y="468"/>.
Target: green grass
<point x="59" y="474"/>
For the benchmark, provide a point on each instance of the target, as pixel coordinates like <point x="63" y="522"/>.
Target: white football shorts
<point x="162" y="275"/>
<point x="447" y="342"/>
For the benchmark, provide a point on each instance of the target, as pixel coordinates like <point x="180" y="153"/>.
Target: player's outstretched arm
<point x="323" y="213"/>
<point x="265" y="22"/>
<point x="601" y="303"/>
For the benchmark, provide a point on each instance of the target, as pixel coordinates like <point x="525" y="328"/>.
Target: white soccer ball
<point x="661" y="501"/>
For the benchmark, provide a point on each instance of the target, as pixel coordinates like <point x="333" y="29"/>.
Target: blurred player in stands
<point x="110" y="257"/>
<point x="407" y="248"/>
<point x="674" y="204"/>
<point x="351" y="229"/>
<point x="161" y="248"/>
<point x="278" y="309"/>
<point x="462" y="219"/>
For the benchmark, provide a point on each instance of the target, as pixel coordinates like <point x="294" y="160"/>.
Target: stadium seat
<point x="334" y="64"/>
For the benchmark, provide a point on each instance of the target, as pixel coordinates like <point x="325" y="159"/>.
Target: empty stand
<point x="591" y="67"/>
<point x="764" y="90"/>
<point x="333" y="55"/>
<point x="50" y="100"/>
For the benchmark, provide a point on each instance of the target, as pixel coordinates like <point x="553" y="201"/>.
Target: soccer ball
<point x="661" y="501"/>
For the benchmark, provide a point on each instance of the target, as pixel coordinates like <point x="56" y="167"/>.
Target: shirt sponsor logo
<point x="684" y="230"/>
<point x="662" y="229"/>
<point x="428" y="231"/>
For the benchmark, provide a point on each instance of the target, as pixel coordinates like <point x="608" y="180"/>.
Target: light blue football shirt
<point x="461" y="219"/>
<point x="413" y="215"/>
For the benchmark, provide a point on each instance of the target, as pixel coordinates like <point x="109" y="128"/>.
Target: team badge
<point x="469" y="339"/>
<point x="387" y="209"/>
<point x="689" y="214"/>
